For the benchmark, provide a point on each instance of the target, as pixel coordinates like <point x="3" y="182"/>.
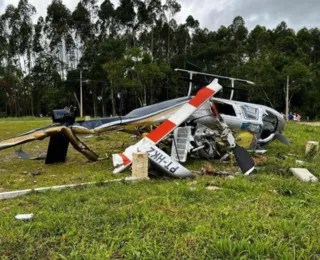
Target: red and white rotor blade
<point x="123" y="160"/>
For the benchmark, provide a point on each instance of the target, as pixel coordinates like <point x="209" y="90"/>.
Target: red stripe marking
<point x="215" y="110"/>
<point x="125" y="159"/>
<point x="201" y="97"/>
<point x="161" y="131"/>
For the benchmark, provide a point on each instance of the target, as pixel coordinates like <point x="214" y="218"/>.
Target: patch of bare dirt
<point x="310" y="123"/>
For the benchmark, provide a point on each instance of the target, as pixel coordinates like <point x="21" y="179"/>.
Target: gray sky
<point x="213" y="13"/>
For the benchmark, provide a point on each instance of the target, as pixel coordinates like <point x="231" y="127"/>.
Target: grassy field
<point x="270" y="215"/>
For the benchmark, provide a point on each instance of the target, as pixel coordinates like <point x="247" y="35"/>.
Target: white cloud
<point x="269" y="13"/>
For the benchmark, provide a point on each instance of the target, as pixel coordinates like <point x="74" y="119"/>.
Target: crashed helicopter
<point x="203" y="126"/>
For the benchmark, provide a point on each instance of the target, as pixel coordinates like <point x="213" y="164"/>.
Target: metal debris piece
<point x="135" y="179"/>
<point x="312" y="147"/>
<point x="24" y="216"/>
<point x="205" y="171"/>
<point x="281" y="156"/>
<point x="35" y="173"/>
<point x="225" y="157"/>
<point x="213" y="188"/>
<point x="303" y="174"/>
<point x="300" y="162"/>
<point x="260" y="151"/>
<point x="23" y="155"/>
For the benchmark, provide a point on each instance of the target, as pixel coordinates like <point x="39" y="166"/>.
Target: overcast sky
<point x="214" y="13"/>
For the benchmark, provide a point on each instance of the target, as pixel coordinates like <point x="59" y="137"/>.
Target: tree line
<point x="127" y="54"/>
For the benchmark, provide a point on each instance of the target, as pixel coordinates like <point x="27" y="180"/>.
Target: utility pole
<point x="287" y="99"/>
<point x="81" y="97"/>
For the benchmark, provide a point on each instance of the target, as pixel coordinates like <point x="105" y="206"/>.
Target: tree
<point x="172" y="7"/>
<point x="238" y="41"/>
<point x="17" y="32"/>
<point x="58" y="22"/>
<point x="131" y="49"/>
<point x="148" y="13"/>
<point x="300" y="76"/>
<point x="106" y="22"/>
<point x="37" y="46"/>
<point x="126" y="16"/>
<point x="144" y="71"/>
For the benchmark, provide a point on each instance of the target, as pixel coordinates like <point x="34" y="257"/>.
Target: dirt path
<point x="310" y="123"/>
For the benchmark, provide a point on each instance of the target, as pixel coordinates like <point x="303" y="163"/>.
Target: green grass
<point x="24" y="119"/>
<point x="76" y="170"/>
<point x="266" y="216"/>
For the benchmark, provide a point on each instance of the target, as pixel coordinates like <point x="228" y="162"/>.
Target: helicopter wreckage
<point x="202" y="125"/>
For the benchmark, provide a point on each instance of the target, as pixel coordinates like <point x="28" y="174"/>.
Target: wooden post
<point x="140" y="165"/>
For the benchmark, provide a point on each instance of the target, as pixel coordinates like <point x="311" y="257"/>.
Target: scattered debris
<point x="281" y="156"/>
<point x="300" y="162"/>
<point x="285" y="192"/>
<point x="206" y="171"/>
<point x="24" y="216"/>
<point x="260" y="159"/>
<point x="135" y="178"/>
<point x="225" y="157"/>
<point x="23" y="155"/>
<point x="213" y="188"/>
<point x="3" y="170"/>
<point x="35" y="173"/>
<point x="230" y="177"/>
<point x="312" y="147"/>
<point x="260" y="151"/>
<point x="303" y="174"/>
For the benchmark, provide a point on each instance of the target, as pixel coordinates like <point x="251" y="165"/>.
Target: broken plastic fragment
<point x="24" y="216"/>
<point x="303" y="174"/>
